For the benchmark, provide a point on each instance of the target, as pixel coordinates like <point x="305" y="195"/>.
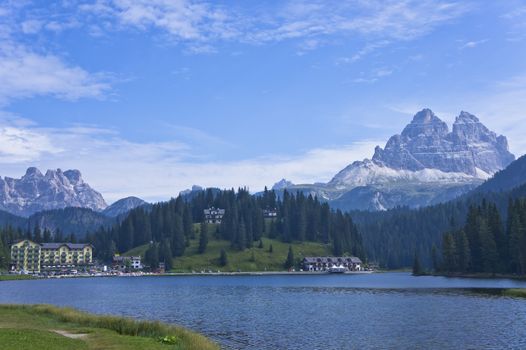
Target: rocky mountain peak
<point x="35" y="192"/>
<point x="466" y="117"/>
<point x="33" y="172"/>
<point x="425" y="124"/>
<point x="74" y="176"/>
<point x="426" y="143"/>
<point x="282" y="184"/>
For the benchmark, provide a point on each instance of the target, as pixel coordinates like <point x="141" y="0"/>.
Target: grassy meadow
<point x="248" y="260"/>
<point x="46" y="327"/>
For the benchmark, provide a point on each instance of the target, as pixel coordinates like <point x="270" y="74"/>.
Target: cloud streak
<point x="24" y="73"/>
<point x="157" y="170"/>
<point x="308" y="21"/>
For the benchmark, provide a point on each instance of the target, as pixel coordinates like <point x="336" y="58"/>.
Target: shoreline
<point x="53" y="327"/>
<point x="15" y="277"/>
<point x="490" y="276"/>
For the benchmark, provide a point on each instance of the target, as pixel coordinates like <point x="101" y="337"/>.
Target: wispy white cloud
<point x="374" y="76"/>
<point x="472" y="44"/>
<point x="25" y="73"/>
<point x="157" y="170"/>
<point x="195" y="23"/>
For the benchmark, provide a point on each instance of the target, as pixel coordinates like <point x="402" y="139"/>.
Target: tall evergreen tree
<point x="449" y="262"/>
<point x="165" y="254"/>
<point x="417" y="267"/>
<point x="289" y="263"/>
<point x="223" y="258"/>
<point x="203" y="238"/>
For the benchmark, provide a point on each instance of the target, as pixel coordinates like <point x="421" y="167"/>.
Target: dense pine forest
<point x="170" y="225"/>
<point x="487" y="243"/>
<point x="392" y="238"/>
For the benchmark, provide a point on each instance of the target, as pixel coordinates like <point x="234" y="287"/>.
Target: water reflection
<point x="380" y="311"/>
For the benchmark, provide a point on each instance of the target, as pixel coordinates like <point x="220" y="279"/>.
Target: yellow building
<point x="57" y="255"/>
<point x="25" y="256"/>
<point x="32" y="257"/>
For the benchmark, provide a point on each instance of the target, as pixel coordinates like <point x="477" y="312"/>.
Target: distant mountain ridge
<point x="424" y="165"/>
<point x="36" y="192"/>
<point x="122" y="206"/>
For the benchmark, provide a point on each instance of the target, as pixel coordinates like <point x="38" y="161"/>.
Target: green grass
<point x="515" y="292"/>
<point x="137" y="251"/>
<point x="242" y="260"/>
<point x="28" y="339"/>
<point x="15" y="277"/>
<point x="238" y="260"/>
<point x="36" y="326"/>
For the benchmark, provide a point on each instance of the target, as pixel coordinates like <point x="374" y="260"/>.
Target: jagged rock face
<point x="282" y="184"/>
<point x="425" y="164"/>
<point x="426" y="143"/>
<point x="55" y="190"/>
<point x="123" y="206"/>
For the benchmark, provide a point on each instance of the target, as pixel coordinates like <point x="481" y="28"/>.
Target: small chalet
<point x="122" y="263"/>
<point x="323" y="263"/>
<point x="270" y="213"/>
<point x="213" y="215"/>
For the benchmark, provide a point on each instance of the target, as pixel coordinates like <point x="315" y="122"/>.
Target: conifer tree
<point x="165" y="254"/>
<point x="223" y="258"/>
<point x="151" y="256"/>
<point x="203" y="238"/>
<point x="417" y="267"/>
<point x="37" y="234"/>
<point x="47" y="236"/>
<point x="463" y="255"/>
<point x="449" y="253"/>
<point x="289" y="263"/>
<point x="488" y="248"/>
<point x="434" y="258"/>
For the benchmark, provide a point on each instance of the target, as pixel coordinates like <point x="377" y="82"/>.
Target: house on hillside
<point x="270" y="213"/>
<point x="213" y="215"/>
<point x="323" y="263"/>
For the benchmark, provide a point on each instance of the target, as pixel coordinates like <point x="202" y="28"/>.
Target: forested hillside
<point x="169" y="225"/>
<point x="486" y="243"/>
<point x="391" y="238"/>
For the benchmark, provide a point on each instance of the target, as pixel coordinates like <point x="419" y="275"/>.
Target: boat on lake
<point x="337" y="269"/>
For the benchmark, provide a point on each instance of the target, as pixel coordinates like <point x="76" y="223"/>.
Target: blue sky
<point x="149" y="97"/>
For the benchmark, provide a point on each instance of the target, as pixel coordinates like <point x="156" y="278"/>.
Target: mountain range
<point x="424" y="165"/>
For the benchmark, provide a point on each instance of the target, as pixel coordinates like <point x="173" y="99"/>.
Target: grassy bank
<point x="15" y="277"/>
<point x="47" y="327"/>
<point x="515" y="292"/>
<point x="248" y="260"/>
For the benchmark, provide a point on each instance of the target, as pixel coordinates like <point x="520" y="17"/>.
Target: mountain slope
<point x="392" y="237"/>
<point x="123" y="206"/>
<point x="424" y="165"/>
<point x="35" y="192"/>
<point x="78" y="221"/>
<point x="511" y="177"/>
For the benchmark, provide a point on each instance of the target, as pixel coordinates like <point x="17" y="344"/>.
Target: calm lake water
<point x="376" y="311"/>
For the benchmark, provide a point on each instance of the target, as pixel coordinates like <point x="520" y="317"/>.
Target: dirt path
<point x="70" y="335"/>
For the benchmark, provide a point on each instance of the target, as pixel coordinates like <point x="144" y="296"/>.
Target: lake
<point x="374" y="311"/>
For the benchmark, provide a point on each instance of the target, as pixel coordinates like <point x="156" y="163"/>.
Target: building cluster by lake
<point x="325" y="263"/>
<point x="30" y="257"/>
